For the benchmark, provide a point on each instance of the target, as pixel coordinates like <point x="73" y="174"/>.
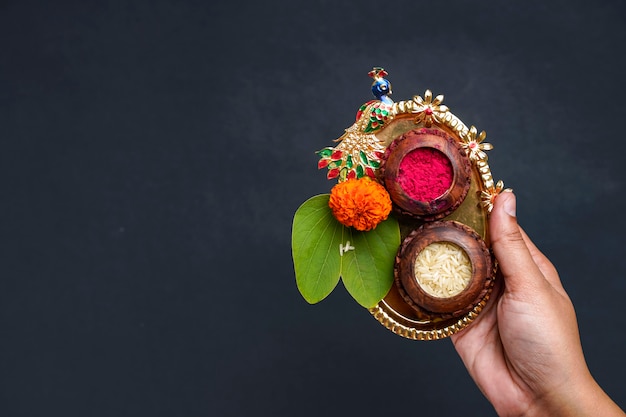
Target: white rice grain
<point x="443" y="269"/>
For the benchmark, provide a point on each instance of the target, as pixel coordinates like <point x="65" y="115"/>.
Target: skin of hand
<point x="524" y="350"/>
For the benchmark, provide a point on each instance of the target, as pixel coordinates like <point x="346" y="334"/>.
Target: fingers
<point x="522" y="275"/>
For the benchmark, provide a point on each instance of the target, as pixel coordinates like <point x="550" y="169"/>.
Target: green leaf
<point x="365" y="264"/>
<point x="367" y="270"/>
<point x="315" y="239"/>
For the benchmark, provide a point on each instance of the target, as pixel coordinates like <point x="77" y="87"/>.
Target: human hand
<point x="524" y="350"/>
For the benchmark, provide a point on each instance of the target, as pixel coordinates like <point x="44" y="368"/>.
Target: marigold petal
<point x="360" y="203"/>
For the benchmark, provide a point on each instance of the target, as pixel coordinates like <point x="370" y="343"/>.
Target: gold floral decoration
<point x="429" y="109"/>
<point x="474" y="145"/>
<point x="488" y="196"/>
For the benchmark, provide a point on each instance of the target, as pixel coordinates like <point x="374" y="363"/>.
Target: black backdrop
<point x="153" y="154"/>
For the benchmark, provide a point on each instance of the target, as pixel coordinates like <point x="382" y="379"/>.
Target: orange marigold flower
<point x="360" y="203"/>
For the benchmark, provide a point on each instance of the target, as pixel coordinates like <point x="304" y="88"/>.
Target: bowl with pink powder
<point x="426" y="173"/>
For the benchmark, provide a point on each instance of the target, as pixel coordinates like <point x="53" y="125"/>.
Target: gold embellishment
<point x="488" y="196"/>
<point x="474" y="145"/>
<point x="429" y="110"/>
<point x="439" y="331"/>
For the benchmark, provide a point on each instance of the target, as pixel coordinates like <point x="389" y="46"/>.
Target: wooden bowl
<point x="467" y="240"/>
<point x="439" y="206"/>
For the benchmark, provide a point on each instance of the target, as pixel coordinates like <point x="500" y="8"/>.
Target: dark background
<point x="153" y="154"/>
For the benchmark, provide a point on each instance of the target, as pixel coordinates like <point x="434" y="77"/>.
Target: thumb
<point x="515" y="261"/>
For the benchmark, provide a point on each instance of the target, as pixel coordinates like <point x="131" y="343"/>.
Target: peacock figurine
<point x="359" y="152"/>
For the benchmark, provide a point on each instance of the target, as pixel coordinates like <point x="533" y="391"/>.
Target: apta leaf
<point x="367" y="270"/>
<point x="315" y="239"/>
<point x="365" y="264"/>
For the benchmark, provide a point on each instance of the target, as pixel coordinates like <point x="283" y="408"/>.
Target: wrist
<point x="578" y="398"/>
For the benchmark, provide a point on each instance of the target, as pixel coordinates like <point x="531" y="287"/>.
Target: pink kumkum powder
<point x="425" y="174"/>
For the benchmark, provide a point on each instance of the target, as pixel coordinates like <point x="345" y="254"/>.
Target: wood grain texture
<point x="448" y="201"/>
<point x="465" y="238"/>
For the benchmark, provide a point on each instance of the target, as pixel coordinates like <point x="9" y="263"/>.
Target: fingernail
<point x="509" y="204"/>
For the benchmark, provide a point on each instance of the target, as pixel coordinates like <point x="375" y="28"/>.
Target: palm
<point x="482" y="351"/>
<point x="517" y="346"/>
